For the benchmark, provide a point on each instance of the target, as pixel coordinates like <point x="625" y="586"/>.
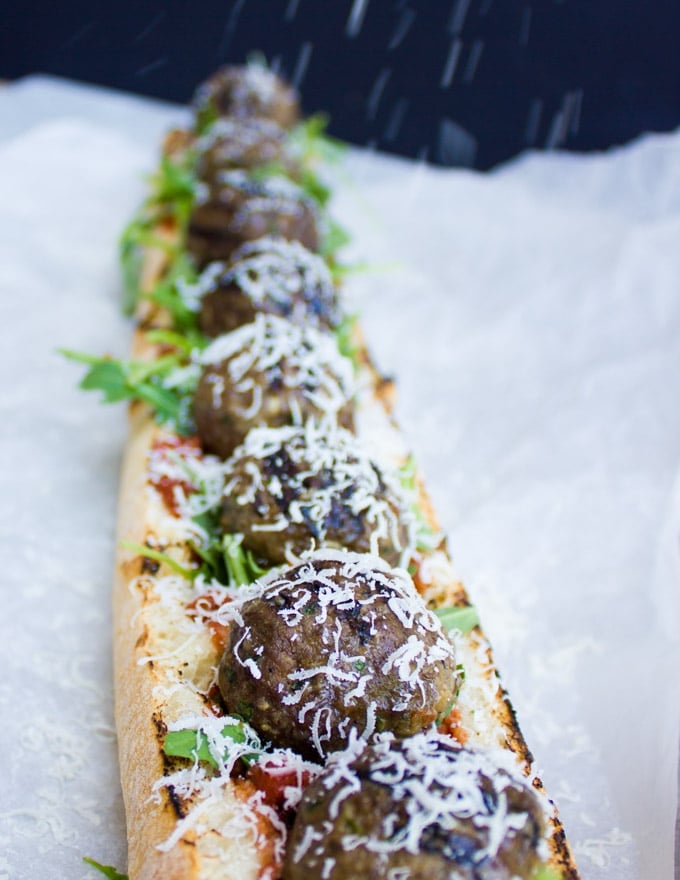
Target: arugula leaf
<point x="188" y="744"/>
<point x="131" y="262"/>
<point x="263" y="172"/>
<point x="173" y="193"/>
<point x="315" y="188"/>
<point x="206" y="116"/>
<point x="306" y="179"/>
<point x="140" y="233"/>
<point x="224" y="558"/>
<point x="187" y="344"/>
<point x="150" y="553"/>
<point x="545" y="872"/>
<point x="310" y="143"/>
<point x="462" y="617"/>
<point x="106" y="870"/>
<point x="174" y="184"/>
<point x="213" y="566"/>
<point x="310" y="148"/>
<point x="168" y="295"/>
<point x="241" y="567"/>
<point x="109" y="377"/>
<point x="150" y="381"/>
<point x="193" y="744"/>
<point x="408" y="473"/>
<point x="346" y="339"/>
<point x="340" y="271"/>
<point x="426" y="537"/>
<point x="227" y="562"/>
<point x="334" y="236"/>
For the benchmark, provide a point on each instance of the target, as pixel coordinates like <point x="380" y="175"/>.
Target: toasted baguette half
<point x="165" y="660"/>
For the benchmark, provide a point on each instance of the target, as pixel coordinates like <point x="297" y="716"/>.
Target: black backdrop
<point x="467" y="82"/>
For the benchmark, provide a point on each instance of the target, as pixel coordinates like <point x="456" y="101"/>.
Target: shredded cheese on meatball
<point x="330" y="582"/>
<point x="234" y="136"/>
<point x="272" y="349"/>
<point x="270" y="195"/>
<point x="354" y="480"/>
<point x="284" y="272"/>
<point x="434" y="786"/>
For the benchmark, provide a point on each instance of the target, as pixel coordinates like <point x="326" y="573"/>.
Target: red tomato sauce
<point x="188" y="447"/>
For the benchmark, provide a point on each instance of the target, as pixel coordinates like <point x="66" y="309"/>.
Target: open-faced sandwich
<point x="302" y="686"/>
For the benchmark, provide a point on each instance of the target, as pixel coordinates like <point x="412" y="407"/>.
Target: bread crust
<point x="138" y="723"/>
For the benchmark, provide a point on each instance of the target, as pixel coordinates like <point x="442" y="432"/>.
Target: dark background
<point x="466" y="82"/>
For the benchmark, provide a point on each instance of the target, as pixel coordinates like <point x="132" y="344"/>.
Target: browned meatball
<point x="268" y="275"/>
<point x="248" y="91"/>
<point x="290" y="490"/>
<point x="422" y="809"/>
<point x="338" y="646"/>
<point x="237" y="208"/>
<point x="244" y="143"/>
<point x="270" y="372"/>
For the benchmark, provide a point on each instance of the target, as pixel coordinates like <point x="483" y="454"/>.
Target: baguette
<point x="190" y="818"/>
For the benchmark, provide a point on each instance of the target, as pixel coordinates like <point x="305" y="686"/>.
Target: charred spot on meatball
<point x="291" y="490"/>
<point x="245" y="92"/>
<point x="270" y="372"/>
<point x="422" y="808"/>
<point x="269" y="275"/>
<point x="246" y="144"/>
<point x="237" y="208"/>
<point x="338" y="646"/>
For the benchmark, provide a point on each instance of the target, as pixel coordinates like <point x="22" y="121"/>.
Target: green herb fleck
<point x="223" y="556"/>
<point x="315" y="188"/>
<point x="106" y="870"/>
<point x="380" y="723"/>
<point x="426" y="537"/>
<point x="173" y="186"/>
<point x="150" y="553"/>
<point x="162" y="383"/>
<point x="311" y="608"/>
<point x="310" y="144"/>
<point x="447" y="711"/>
<point x="245" y="710"/>
<point x="544" y="872"/>
<point x="408" y="474"/>
<point x="334" y="237"/>
<point x="462" y="618"/>
<point x="193" y="744"/>
<point x="206" y="116"/>
<point x="348" y="343"/>
<point x="241" y="567"/>
<point x="173" y="192"/>
<point x="168" y="294"/>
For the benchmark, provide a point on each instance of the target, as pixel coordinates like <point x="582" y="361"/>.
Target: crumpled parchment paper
<point x="532" y="319"/>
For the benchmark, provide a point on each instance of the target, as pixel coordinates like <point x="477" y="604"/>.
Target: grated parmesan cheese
<point x="437" y="791"/>
<point x="312" y="472"/>
<point x="273" y="351"/>
<point x="339" y="679"/>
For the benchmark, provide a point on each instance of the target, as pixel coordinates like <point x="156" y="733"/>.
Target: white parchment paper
<point x="532" y="319"/>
